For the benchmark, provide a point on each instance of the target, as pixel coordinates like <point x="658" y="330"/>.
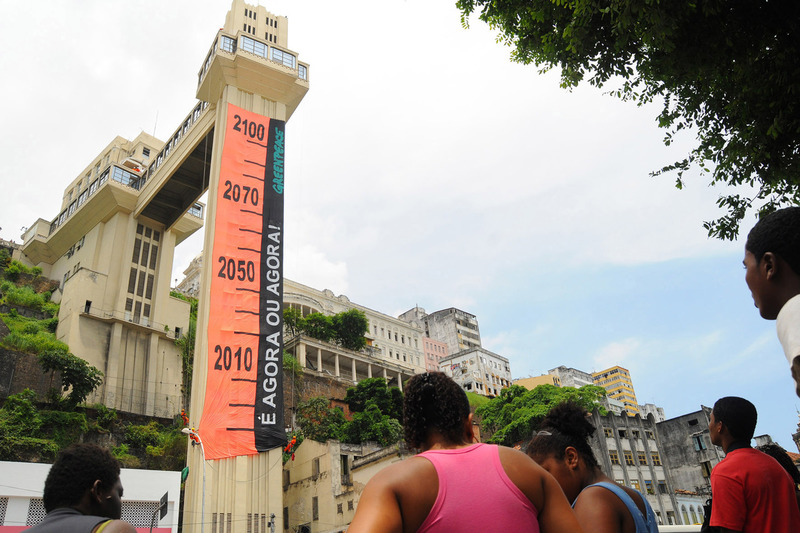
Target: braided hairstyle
<point x="775" y="451"/>
<point x="433" y="401"/>
<point x="779" y="233"/>
<point x="565" y="425"/>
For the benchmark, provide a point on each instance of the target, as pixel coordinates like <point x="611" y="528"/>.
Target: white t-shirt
<point x="789" y="328"/>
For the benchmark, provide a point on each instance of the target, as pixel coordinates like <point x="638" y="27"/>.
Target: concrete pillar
<point x="355" y="377"/>
<point x="301" y="354"/>
<point x="319" y="359"/>
<point x="152" y="371"/>
<point x="400" y="381"/>
<point x="336" y="365"/>
<point x="385" y="375"/>
<point x="111" y="384"/>
<point x="369" y="370"/>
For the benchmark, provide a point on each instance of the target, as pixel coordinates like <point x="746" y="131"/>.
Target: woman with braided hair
<point x="455" y="484"/>
<point x="602" y="506"/>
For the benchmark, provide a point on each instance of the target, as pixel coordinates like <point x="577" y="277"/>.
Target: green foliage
<point x="350" y="327"/>
<point x="186" y="345"/>
<point x="63" y="427"/>
<point x="318" y="326"/>
<point x="298" y="440"/>
<point x="20" y="424"/>
<point x="319" y="421"/>
<point x="727" y="71"/>
<point x="5" y="258"/>
<point x="106" y="416"/>
<point x="143" y="436"/>
<point x="125" y="458"/>
<point x="292" y="318"/>
<point x="372" y="425"/>
<point x="291" y="366"/>
<point x="77" y="376"/>
<point x="14" y="268"/>
<point x="388" y="400"/>
<point x="476" y="400"/>
<point x="511" y="417"/>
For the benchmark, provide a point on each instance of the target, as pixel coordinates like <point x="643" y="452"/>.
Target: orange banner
<point x="243" y="409"/>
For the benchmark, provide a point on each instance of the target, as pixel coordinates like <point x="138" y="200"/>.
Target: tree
<point x="388" y="400"/>
<point x="350" y="327"/>
<point x="319" y="421"/>
<point x="318" y="326"/>
<point x="511" y="417"/>
<point x="372" y="425"/>
<point x="727" y="70"/>
<point x="77" y="376"/>
<point x="292" y="319"/>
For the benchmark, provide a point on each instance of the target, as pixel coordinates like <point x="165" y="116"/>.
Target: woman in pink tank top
<point x="456" y="485"/>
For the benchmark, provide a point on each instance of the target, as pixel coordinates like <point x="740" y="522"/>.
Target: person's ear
<point x="571" y="457"/>
<point x="470" y="429"/>
<point x="768" y="265"/>
<point x="96" y="492"/>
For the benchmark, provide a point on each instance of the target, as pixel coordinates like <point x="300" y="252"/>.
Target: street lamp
<point x="195" y="441"/>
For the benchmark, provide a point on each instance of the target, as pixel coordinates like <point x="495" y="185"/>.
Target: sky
<point x="425" y="168"/>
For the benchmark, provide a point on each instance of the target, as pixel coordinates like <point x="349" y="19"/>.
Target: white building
<point x="478" y="370"/>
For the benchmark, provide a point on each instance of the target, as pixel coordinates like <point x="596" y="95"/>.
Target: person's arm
<point x="378" y="508"/>
<point x="556" y="515"/>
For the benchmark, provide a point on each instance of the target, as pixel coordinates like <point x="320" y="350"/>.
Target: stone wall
<point x="20" y="371"/>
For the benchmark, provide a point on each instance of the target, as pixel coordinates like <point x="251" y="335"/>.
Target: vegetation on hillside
<point x="376" y="412"/>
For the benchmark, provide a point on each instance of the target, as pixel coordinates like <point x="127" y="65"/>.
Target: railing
<point x="228" y="44"/>
<point x="678" y="529"/>
<point x="175" y="139"/>
<point x="116" y="173"/>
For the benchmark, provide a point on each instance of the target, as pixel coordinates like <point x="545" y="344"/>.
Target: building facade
<point x="531" y="383"/>
<point x="571" y="377"/>
<point x="478" y="370"/>
<point x="617" y="382"/>
<point x="629" y="452"/>
<point x="434" y="351"/>
<point x="687" y="449"/>
<point x="456" y="328"/>
<point x="115" y="266"/>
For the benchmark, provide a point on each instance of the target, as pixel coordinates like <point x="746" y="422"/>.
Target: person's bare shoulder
<point x="525" y="473"/>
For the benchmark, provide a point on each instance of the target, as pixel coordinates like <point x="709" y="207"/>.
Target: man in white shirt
<point x="772" y="261"/>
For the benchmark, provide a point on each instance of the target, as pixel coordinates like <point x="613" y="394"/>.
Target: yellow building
<point x="115" y="268"/>
<point x="533" y="382"/>
<point x="617" y="382"/>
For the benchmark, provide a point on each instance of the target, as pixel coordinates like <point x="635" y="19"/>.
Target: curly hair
<point x="779" y="233"/>
<point x="75" y="471"/>
<point x="779" y="454"/>
<point x="738" y="415"/>
<point x="433" y="401"/>
<point x="565" y="425"/>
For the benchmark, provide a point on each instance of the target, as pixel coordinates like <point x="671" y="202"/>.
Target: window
<point x="635" y="433"/>
<point x="315" y="469"/>
<point x="705" y="466"/>
<point x="254" y="47"/>
<point x="623" y="434"/>
<point x="662" y="487"/>
<point x="282" y="57"/>
<point x="345" y="470"/>
<point x="699" y="442"/>
<point x="693" y="422"/>
<point x="642" y="458"/>
<point x="339" y="508"/>
<point x="314" y="508"/>
<point x="612" y="454"/>
<point x="227" y="44"/>
<point x="650" y="435"/>
<point x="145" y="153"/>
<point x="635" y="484"/>
<point x="628" y="458"/>
<point x="87" y="307"/>
<point x="286" y="518"/>
<point x="349" y="505"/>
<point x="648" y="485"/>
<point x="656" y="459"/>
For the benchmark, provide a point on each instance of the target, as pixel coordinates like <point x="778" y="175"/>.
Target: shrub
<point x="142" y="436"/>
<point x="106" y="416"/>
<point x="77" y="376"/>
<point x="63" y="427"/>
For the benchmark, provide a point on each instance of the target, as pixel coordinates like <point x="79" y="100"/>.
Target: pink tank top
<point x="475" y="494"/>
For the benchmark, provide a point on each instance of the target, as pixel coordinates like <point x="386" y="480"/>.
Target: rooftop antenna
<point x="154" y="125"/>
